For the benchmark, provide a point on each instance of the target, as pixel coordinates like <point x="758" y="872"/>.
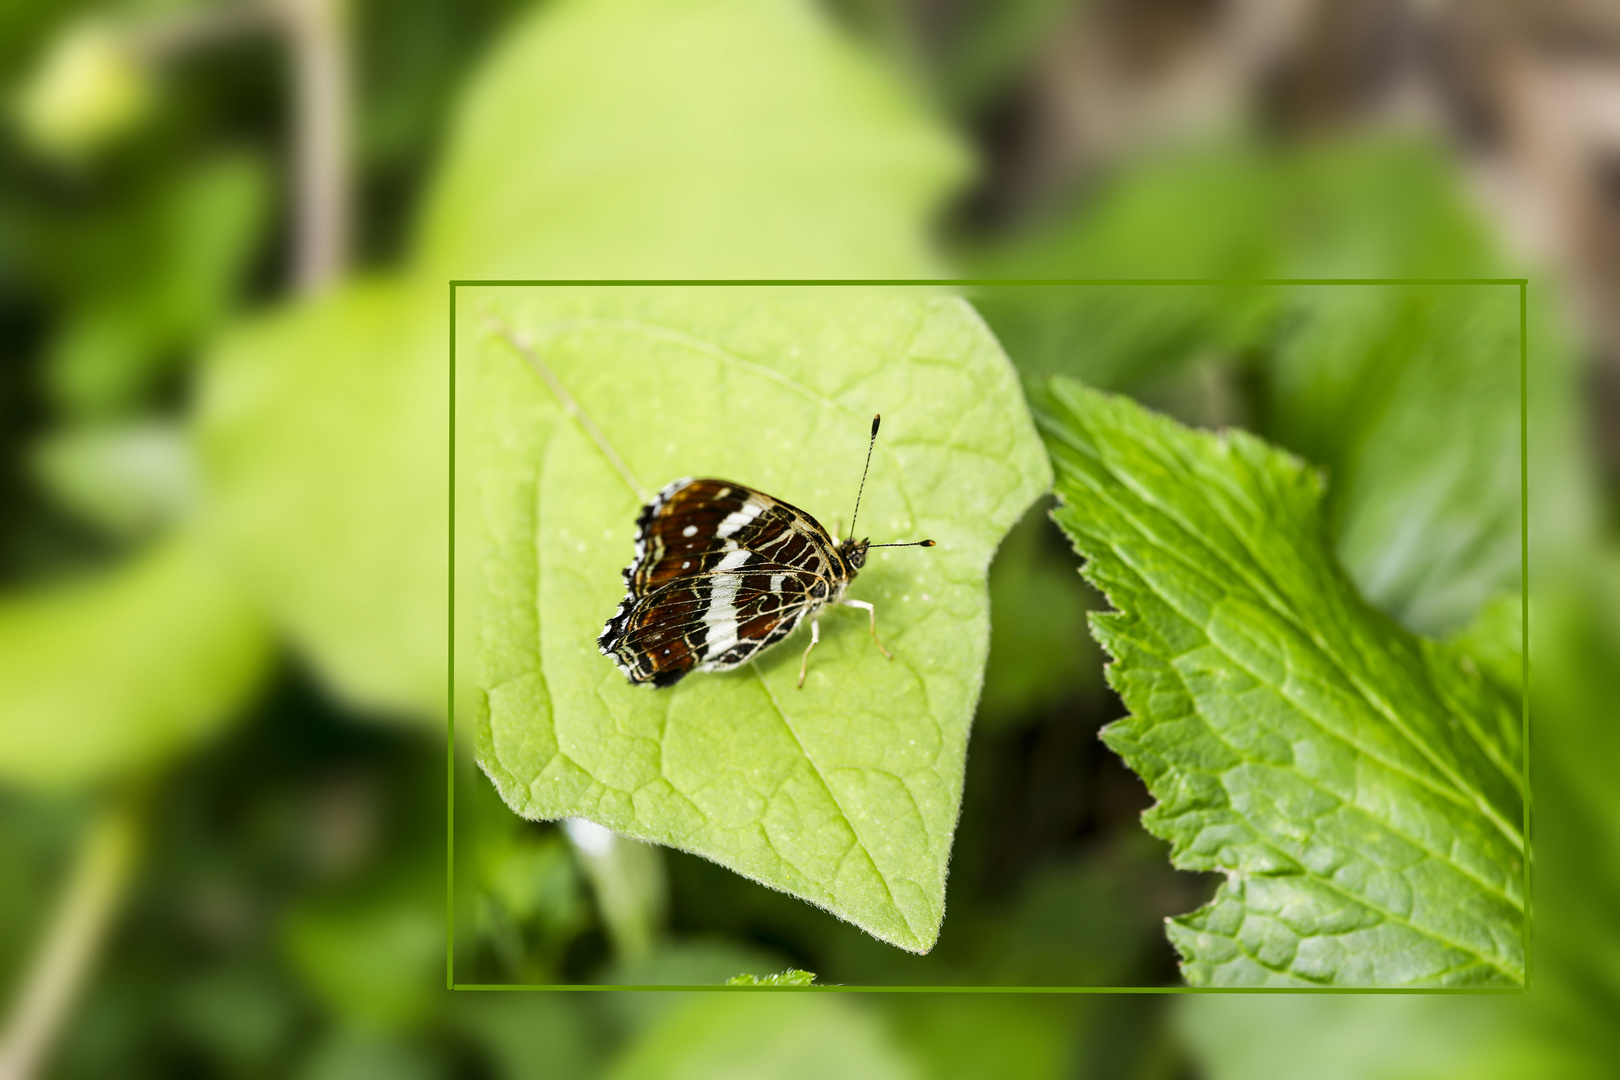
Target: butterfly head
<point x="853" y="552"/>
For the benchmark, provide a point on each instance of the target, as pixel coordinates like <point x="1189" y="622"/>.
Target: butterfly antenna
<point x="908" y="543"/>
<point x="864" y="468"/>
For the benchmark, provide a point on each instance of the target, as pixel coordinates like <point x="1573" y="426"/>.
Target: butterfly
<point x="723" y="571"/>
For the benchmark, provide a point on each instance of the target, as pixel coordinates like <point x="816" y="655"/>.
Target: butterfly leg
<point x="872" y="611"/>
<point x="815" y="636"/>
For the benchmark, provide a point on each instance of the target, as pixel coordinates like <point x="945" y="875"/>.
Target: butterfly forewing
<point x="721" y="571"/>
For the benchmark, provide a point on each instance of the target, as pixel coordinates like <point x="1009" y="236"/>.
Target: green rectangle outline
<point x="1524" y="633"/>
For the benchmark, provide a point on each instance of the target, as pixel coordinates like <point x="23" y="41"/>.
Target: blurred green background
<point x="224" y="232"/>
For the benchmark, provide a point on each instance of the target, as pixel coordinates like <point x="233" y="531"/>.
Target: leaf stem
<point x="92" y="896"/>
<point x="628" y="878"/>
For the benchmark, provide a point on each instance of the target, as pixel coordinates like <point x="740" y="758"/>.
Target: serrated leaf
<point x="844" y="793"/>
<point x="1359" y="786"/>
<point x="790" y="977"/>
<point x="116" y="672"/>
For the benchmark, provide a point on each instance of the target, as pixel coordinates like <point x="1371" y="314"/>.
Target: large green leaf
<point x="1359" y="786"/>
<point x="846" y="792"/>
<point x="118" y="671"/>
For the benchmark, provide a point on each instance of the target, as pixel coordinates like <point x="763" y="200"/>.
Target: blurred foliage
<point x="91" y="87"/>
<point x="808" y="1036"/>
<point x="785" y="152"/>
<point x="273" y="831"/>
<point x="129" y="479"/>
<point x="117" y="672"/>
<point x="127" y="314"/>
<point x="1407" y="394"/>
<point x="354" y="569"/>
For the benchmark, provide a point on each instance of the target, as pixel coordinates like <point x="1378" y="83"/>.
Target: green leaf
<point x="124" y="669"/>
<point x="790" y="977"/>
<point x="844" y="793"/>
<point x="1359" y="786"/>
<point x="727" y="138"/>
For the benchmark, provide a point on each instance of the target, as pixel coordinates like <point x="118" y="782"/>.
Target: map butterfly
<point x="723" y="571"/>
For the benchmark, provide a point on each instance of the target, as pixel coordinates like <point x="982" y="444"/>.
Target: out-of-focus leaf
<point x="128" y="479"/>
<point x="1355" y="1037"/>
<point x="372" y="957"/>
<point x="786" y="1037"/>
<point x="120" y="671"/>
<point x="532" y="1036"/>
<point x="324" y="440"/>
<point x="91" y="87"/>
<point x="844" y="793"/>
<point x="790" y="977"/>
<point x="1360" y="787"/>
<point x="358" y="1053"/>
<point x="989" y="1037"/>
<point x="993" y="44"/>
<point x="238" y="1012"/>
<point x="324" y="444"/>
<point x="730" y="138"/>
<point x="1084" y="922"/>
<point x="689" y="961"/>
<point x="146" y="285"/>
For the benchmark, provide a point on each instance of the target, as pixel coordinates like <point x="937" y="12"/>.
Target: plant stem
<point x="317" y="34"/>
<point x="628" y="878"/>
<point x="94" y="890"/>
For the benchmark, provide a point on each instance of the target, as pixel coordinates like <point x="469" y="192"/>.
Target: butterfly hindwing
<point x="712" y="622"/>
<point x="721" y="571"/>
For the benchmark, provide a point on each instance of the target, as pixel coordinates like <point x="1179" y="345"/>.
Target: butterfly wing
<point x="710" y="622"/>
<point x="721" y="571"/>
<point x="693" y="525"/>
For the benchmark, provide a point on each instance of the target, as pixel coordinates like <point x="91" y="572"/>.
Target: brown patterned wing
<point x="721" y="571"/>
<point x="694" y="524"/>
<point x="710" y="622"/>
